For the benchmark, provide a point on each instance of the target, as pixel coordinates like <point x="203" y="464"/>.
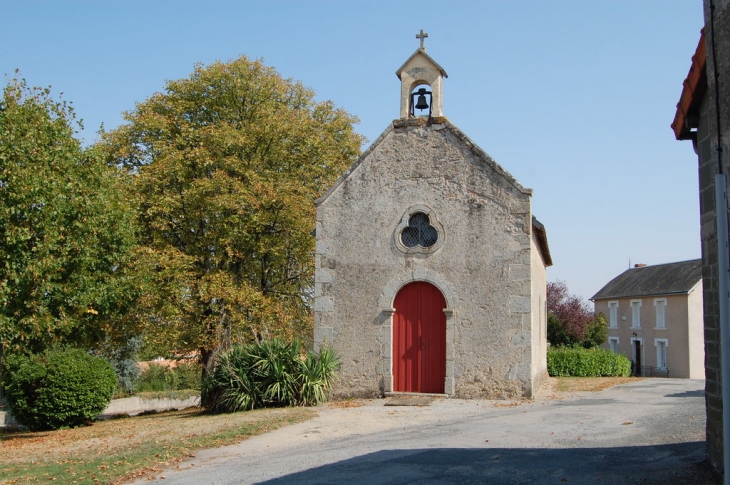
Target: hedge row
<point x="580" y="362"/>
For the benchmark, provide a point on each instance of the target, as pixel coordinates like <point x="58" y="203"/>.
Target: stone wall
<point x="482" y="265"/>
<point x="707" y="148"/>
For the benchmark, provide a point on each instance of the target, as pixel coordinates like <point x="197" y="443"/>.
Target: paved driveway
<point x="646" y="432"/>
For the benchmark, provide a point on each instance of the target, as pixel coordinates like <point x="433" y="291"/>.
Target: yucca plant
<point x="269" y="374"/>
<point x="317" y="375"/>
<point x="275" y="368"/>
<point x="230" y="388"/>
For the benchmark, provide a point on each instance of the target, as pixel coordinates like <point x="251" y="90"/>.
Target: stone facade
<point x="710" y="132"/>
<point x="488" y="264"/>
<point x="718" y="93"/>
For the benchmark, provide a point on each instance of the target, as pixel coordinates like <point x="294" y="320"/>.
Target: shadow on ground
<point x="676" y="464"/>
<point x="698" y="393"/>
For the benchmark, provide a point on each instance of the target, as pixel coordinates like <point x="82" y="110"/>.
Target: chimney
<point x="640" y="265"/>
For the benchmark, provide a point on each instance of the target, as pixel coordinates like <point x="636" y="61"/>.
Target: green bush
<point x="158" y="378"/>
<point x="580" y="362"/>
<point x="58" y="388"/>
<point x="269" y="374"/>
<point x="154" y="379"/>
<point x="188" y="375"/>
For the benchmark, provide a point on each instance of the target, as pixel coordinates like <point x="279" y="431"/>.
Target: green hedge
<point x="58" y="388"/>
<point x="158" y="378"/>
<point x="580" y="362"/>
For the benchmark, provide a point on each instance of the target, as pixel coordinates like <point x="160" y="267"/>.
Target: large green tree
<point x="67" y="232"/>
<point x="228" y="163"/>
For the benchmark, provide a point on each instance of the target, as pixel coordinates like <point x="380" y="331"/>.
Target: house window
<point x="635" y="313"/>
<point x="613" y="314"/>
<point x="613" y="344"/>
<point x="661" y="305"/>
<point x="661" y="352"/>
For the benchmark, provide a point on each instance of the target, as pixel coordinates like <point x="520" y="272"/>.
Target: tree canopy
<point x="570" y="319"/>
<point x="228" y="163"/>
<point x="67" y="231"/>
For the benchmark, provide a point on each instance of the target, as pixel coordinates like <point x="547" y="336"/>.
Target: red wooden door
<point x="419" y="339"/>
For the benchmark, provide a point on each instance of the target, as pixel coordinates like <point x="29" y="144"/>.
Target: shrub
<point x="154" y="378"/>
<point x="157" y="378"/>
<point x="580" y="362"/>
<point x="188" y="375"/>
<point x="58" y="388"/>
<point x="269" y="374"/>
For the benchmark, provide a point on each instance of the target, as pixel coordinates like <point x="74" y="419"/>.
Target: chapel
<point x="430" y="266"/>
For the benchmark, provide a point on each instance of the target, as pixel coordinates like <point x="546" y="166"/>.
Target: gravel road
<point x="646" y="432"/>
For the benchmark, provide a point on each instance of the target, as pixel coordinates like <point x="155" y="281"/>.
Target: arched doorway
<point x="419" y="339"/>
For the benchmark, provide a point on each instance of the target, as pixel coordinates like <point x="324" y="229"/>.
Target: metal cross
<point x="422" y="36"/>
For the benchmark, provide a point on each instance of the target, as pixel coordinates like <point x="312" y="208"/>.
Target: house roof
<point x="542" y="239"/>
<point x="686" y="119"/>
<point x="661" y="279"/>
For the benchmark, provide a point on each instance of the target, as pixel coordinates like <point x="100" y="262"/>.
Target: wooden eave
<point x="686" y="119"/>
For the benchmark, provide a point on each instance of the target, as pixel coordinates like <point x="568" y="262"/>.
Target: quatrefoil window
<point x="419" y="232"/>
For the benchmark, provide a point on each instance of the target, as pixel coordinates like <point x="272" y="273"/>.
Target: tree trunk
<point x="2" y="390"/>
<point x="207" y="360"/>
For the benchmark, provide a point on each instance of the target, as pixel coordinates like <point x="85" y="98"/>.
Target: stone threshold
<point x="416" y="394"/>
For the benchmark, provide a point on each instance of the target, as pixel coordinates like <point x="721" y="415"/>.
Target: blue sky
<point x="572" y="97"/>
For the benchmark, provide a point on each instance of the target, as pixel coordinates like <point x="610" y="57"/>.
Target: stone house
<point x="703" y="117"/>
<point x="430" y="267"/>
<point x="654" y="316"/>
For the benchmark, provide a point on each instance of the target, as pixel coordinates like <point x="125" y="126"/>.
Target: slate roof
<point x="661" y="279"/>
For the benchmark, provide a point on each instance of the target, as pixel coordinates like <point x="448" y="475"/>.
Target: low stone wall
<point x="128" y="405"/>
<point x="136" y="405"/>
<point x="6" y="419"/>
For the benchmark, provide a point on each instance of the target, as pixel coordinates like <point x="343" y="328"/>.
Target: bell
<point x="421" y="102"/>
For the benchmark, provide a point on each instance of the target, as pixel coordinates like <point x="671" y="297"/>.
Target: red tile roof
<point x="693" y="90"/>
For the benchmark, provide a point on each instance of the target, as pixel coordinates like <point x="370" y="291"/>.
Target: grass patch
<point x="122" y="450"/>
<point x="588" y="384"/>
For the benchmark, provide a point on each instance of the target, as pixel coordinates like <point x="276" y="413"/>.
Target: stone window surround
<point x="386" y="335"/>
<point x="635" y="314"/>
<point x="432" y="220"/>
<point x="657" y="341"/>
<point x="613" y="348"/>
<point x="660" y="323"/>
<point x="613" y="314"/>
